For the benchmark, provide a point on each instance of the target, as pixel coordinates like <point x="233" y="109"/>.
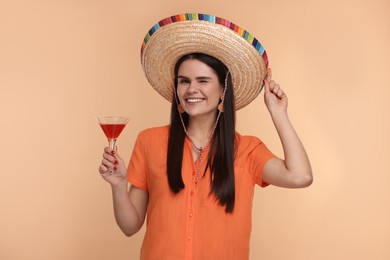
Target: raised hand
<point x="274" y="97"/>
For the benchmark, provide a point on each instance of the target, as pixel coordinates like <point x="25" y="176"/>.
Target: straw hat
<point x="175" y="36"/>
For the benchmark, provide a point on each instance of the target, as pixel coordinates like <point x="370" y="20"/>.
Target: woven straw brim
<point x="170" y="42"/>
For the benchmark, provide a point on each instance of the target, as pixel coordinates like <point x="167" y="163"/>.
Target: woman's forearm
<point x="128" y="210"/>
<point x="295" y="156"/>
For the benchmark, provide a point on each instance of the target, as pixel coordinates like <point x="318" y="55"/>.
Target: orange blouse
<point x="191" y="225"/>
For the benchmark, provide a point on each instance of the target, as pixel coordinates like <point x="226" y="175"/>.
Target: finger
<point x="283" y="95"/>
<point x="269" y="75"/>
<point x="103" y="169"/>
<point x="115" y="159"/>
<point x="110" y="151"/>
<point x="272" y="86"/>
<point x="109" y="164"/>
<point x="279" y="93"/>
<point x="110" y="158"/>
<point x="276" y="89"/>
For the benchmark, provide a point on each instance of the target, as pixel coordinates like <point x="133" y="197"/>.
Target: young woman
<point x="195" y="178"/>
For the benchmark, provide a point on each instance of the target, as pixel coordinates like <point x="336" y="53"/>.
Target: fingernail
<point x="112" y="152"/>
<point x="114" y="168"/>
<point x="116" y="162"/>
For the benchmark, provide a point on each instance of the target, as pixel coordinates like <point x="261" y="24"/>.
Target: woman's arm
<point x="130" y="209"/>
<point x="295" y="170"/>
<point x="129" y="205"/>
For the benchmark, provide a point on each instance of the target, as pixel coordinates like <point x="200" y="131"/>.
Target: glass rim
<point x="118" y="118"/>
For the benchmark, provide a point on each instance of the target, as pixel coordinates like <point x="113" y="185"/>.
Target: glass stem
<point x="111" y="143"/>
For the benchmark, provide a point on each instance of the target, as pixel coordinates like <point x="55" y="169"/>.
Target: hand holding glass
<point x="112" y="127"/>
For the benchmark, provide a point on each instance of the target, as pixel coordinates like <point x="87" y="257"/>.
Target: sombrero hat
<point x="175" y="36"/>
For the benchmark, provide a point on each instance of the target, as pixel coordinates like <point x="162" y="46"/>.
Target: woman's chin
<point x="196" y="113"/>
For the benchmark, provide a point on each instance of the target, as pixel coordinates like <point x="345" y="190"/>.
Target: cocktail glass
<point x="112" y="127"/>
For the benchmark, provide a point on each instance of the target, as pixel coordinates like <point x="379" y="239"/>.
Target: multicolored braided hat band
<point x="175" y="36"/>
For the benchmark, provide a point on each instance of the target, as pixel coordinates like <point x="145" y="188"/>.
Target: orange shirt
<point x="191" y="225"/>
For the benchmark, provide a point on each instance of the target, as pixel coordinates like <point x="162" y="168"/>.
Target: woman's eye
<point x="183" y="81"/>
<point x="203" y="81"/>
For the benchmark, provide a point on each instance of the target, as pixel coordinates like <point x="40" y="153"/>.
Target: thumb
<point x="266" y="86"/>
<point x="268" y="76"/>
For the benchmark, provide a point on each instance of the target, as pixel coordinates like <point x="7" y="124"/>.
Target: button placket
<point x="194" y="170"/>
<point x="192" y="193"/>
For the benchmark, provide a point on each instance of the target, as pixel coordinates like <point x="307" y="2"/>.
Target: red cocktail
<point x="112" y="127"/>
<point x="112" y="131"/>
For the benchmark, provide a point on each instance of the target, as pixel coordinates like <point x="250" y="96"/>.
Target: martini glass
<point x="112" y="127"/>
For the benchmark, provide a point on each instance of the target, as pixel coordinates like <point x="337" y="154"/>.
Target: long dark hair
<point x="221" y="156"/>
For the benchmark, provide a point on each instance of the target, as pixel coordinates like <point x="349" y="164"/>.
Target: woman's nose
<point x="192" y="88"/>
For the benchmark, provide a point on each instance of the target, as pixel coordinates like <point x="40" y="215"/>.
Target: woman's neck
<point x="200" y="129"/>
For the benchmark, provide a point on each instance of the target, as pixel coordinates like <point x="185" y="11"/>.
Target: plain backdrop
<point x="64" y="62"/>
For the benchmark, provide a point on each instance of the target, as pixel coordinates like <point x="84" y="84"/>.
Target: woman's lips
<point x="194" y="100"/>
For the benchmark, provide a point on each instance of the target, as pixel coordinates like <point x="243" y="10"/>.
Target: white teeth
<point x="194" y="100"/>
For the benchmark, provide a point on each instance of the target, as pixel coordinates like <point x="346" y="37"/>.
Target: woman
<point x="195" y="178"/>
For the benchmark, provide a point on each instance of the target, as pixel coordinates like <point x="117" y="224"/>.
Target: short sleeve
<point x="137" y="170"/>
<point x="258" y="157"/>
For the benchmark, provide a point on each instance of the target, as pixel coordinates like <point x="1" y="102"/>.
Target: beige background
<point x="63" y="62"/>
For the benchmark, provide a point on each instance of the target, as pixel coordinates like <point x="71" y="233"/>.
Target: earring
<point x="220" y="107"/>
<point x="180" y="109"/>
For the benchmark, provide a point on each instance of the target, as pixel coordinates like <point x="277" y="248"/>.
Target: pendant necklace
<point x="200" y="150"/>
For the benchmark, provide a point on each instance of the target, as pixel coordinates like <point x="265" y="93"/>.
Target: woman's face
<point x="198" y="88"/>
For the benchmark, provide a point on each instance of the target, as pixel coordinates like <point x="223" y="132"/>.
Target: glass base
<point x="114" y="174"/>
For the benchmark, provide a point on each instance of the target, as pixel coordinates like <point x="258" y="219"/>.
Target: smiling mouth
<point x="194" y="100"/>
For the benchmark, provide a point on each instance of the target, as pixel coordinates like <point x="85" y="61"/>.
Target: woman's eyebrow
<point x="203" y="78"/>
<point x="197" y="78"/>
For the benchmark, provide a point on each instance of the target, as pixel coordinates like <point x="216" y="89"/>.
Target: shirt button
<point x="193" y="172"/>
<point x="192" y="193"/>
<point x="190" y="215"/>
<point x="188" y="238"/>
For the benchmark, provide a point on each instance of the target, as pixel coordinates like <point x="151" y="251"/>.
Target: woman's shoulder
<point x="154" y="132"/>
<point x="247" y="141"/>
<point x="152" y="141"/>
<point x="246" y="138"/>
<point x="156" y="129"/>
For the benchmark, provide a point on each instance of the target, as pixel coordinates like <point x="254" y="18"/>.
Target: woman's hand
<point x="274" y="97"/>
<point x="112" y="161"/>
